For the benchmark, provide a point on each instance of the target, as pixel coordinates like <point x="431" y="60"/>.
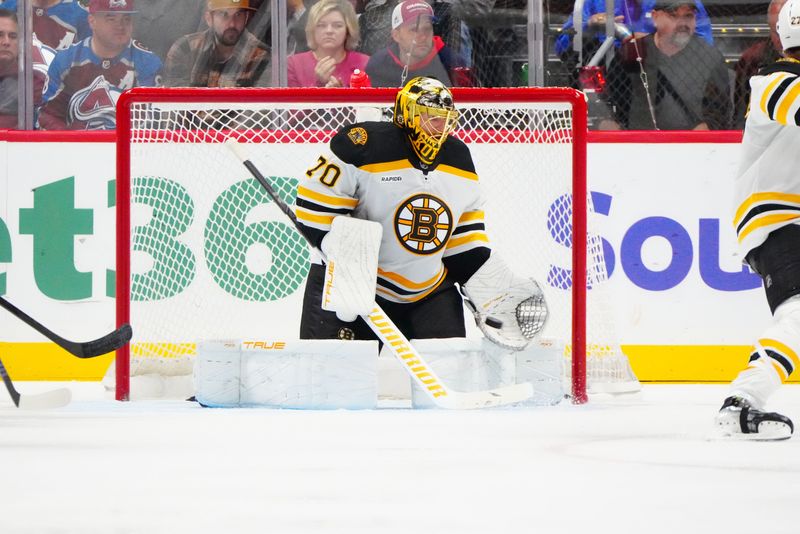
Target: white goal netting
<point x="212" y="257"/>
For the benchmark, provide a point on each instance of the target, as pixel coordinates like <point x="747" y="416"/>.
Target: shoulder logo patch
<point x="358" y="136"/>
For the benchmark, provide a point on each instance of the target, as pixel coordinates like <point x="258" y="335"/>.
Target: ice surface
<point x="638" y="465"/>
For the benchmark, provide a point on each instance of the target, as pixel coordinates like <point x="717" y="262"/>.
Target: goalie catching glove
<point x="509" y="310"/>
<point x="351" y="271"/>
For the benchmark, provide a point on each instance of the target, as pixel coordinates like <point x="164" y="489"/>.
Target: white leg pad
<point x="478" y="364"/>
<point x="298" y="374"/>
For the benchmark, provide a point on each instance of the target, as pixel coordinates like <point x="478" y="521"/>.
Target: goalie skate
<point x="738" y="420"/>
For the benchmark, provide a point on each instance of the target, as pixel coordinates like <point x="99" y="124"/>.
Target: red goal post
<point x="529" y="146"/>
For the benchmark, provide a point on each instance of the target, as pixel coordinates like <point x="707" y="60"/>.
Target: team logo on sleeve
<point x="423" y="224"/>
<point x="358" y="136"/>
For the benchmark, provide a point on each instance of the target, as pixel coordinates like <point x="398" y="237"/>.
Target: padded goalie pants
<point x="439" y="315"/>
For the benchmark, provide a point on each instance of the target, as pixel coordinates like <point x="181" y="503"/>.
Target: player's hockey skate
<point x="737" y="419"/>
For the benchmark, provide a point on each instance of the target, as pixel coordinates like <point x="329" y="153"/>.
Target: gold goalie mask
<point x="424" y="109"/>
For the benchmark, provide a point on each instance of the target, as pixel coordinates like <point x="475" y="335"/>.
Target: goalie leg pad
<point x="510" y="310"/>
<point x="351" y="250"/>
<point x="301" y="374"/>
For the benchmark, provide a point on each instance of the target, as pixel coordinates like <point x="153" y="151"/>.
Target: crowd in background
<point x="652" y="64"/>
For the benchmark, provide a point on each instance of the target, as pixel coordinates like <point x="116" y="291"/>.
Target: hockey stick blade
<point x="88" y="349"/>
<point x="40" y="401"/>
<point x="391" y="336"/>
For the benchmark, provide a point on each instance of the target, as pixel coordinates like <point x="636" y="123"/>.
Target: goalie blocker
<point x="351" y="267"/>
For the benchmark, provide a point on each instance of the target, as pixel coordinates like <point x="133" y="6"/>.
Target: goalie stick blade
<point x="45" y="401"/>
<point x="457" y="400"/>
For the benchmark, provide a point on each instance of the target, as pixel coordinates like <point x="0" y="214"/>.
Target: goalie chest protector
<point x="426" y="214"/>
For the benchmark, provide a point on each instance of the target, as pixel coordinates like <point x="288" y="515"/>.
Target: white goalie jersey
<point x="767" y="183"/>
<point x="427" y="216"/>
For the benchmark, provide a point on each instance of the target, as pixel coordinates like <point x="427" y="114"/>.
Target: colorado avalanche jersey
<point x="768" y="184"/>
<point x="60" y="26"/>
<point x="429" y="217"/>
<point x="82" y="89"/>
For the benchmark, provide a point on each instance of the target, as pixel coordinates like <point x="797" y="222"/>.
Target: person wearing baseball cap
<point x="688" y="84"/>
<point x="414" y="50"/>
<point x="225" y="55"/>
<point x="630" y="17"/>
<point x="111" y="22"/>
<point x="85" y="80"/>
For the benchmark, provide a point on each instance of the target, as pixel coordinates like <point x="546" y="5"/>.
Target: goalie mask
<point x="424" y="109"/>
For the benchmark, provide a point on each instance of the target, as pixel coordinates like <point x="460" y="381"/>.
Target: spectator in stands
<point x="332" y="33"/>
<point x="57" y="24"/>
<point x="85" y="80"/>
<point x="225" y="55"/>
<point x="757" y="55"/>
<point x="9" y="51"/>
<point x="634" y="16"/>
<point x="160" y="23"/>
<point x="414" y="50"/>
<point x="688" y="87"/>
<point x="9" y="69"/>
<point x="376" y="23"/>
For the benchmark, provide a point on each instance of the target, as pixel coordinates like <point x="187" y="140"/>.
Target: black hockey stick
<point x="49" y="399"/>
<point x="391" y="336"/>
<point x="88" y="349"/>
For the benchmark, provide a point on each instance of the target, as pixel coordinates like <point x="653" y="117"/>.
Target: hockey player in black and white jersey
<point x="767" y="221"/>
<point x="419" y="184"/>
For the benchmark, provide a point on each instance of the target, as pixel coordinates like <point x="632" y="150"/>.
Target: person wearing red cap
<point x="85" y="80"/>
<point x="414" y="50"/>
<point x="224" y="55"/>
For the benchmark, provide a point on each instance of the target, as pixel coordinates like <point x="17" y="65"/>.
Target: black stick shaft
<point x="9" y="384"/>
<point x="284" y="207"/>
<point x="88" y="349"/>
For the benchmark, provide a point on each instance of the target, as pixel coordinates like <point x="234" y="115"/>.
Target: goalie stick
<point x="391" y="336"/>
<point x="88" y="349"/>
<point x="40" y="401"/>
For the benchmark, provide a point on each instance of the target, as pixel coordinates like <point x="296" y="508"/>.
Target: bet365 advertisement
<point x="681" y="304"/>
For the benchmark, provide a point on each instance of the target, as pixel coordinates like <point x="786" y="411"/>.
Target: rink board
<point x="684" y="308"/>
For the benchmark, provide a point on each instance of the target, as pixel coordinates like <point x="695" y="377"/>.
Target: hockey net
<point x="202" y="253"/>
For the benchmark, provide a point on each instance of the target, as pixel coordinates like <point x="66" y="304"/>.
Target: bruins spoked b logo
<point x="423" y="224"/>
